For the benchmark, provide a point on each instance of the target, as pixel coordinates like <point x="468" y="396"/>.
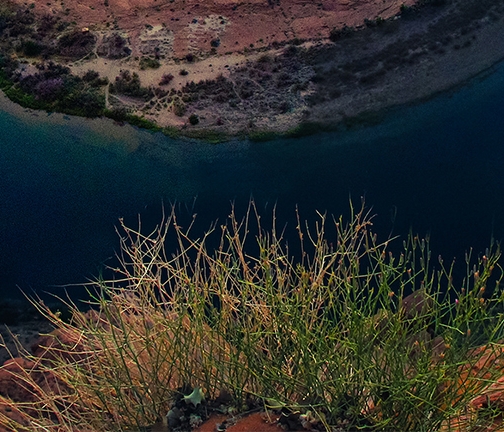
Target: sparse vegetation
<point x="274" y="84"/>
<point x="31" y="48"/>
<point x="166" y="79"/>
<point x="114" y="46"/>
<point x="339" y="33"/>
<point x="179" y="107"/>
<point x="193" y="119"/>
<point x="129" y="84"/>
<point x="54" y="88"/>
<point x="76" y="44"/>
<point x="149" y="63"/>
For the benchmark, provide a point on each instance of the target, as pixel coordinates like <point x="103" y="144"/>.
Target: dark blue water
<point x="436" y="168"/>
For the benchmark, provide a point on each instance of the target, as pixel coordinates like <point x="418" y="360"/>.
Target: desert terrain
<point x="220" y="68"/>
<point x="188" y="26"/>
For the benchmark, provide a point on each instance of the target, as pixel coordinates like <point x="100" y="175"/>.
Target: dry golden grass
<point x="331" y="335"/>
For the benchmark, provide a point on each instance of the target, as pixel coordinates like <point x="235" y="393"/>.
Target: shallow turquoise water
<point x="436" y="168"/>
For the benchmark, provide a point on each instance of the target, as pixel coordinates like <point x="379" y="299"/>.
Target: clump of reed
<point x="348" y="335"/>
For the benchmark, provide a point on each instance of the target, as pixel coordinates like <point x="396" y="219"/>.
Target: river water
<point x="436" y="168"/>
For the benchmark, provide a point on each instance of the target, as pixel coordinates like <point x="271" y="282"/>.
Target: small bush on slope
<point x="331" y="336"/>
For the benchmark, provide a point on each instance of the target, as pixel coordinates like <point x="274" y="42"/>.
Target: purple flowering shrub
<point x="49" y="89"/>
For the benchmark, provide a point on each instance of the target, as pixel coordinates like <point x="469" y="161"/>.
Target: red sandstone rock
<point x="16" y="373"/>
<point x="192" y="24"/>
<point x="257" y="422"/>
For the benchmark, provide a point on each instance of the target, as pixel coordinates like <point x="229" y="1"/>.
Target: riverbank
<point x="430" y="55"/>
<point x="97" y="126"/>
<point x="348" y="73"/>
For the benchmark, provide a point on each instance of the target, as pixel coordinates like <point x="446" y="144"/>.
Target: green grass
<point x="4" y="81"/>
<point x="149" y="63"/>
<point x="305" y="129"/>
<point x="81" y="102"/>
<point x="24" y="99"/>
<point x="133" y="120"/>
<point x="262" y="136"/>
<point x="209" y="136"/>
<point x="331" y="337"/>
<point x="142" y="122"/>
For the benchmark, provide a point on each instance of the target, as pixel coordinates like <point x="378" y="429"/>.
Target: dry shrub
<point x="332" y="335"/>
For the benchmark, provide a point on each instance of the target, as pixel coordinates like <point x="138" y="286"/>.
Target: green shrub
<point x="149" y="63"/>
<point x="142" y="122"/>
<point x="129" y="84"/>
<point x="193" y="119"/>
<point x="331" y="336"/>
<point x="5" y="83"/>
<point x="15" y="94"/>
<point x="76" y="43"/>
<point x="339" y="33"/>
<point x="408" y="11"/>
<point x="86" y="103"/>
<point x="119" y="114"/>
<point x="166" y="79"/>
<point x="90" y="76"/>
<point x="31" y="48"/>
<point x="179" y="107"/>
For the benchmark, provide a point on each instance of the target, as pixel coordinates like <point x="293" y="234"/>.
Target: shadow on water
<point x="435" y="168"/>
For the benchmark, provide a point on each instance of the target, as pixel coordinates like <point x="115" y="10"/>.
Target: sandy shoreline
<point x="433" y="75"/>
<point x="108" y="130"/>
